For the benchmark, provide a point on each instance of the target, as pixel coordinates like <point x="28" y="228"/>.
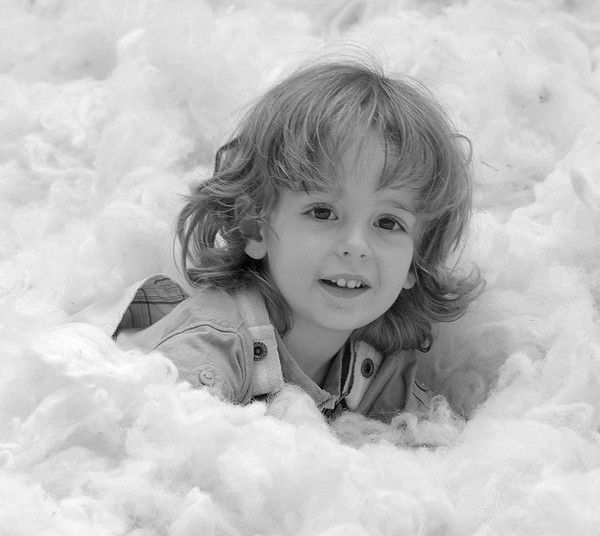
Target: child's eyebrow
<point x="403" y="206"/>
<point x="309" y="188"/>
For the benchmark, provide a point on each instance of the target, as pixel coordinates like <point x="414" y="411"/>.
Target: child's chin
<point x="345" y="324"/>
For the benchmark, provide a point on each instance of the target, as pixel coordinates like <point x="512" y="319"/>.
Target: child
<point x="318" y="248"/>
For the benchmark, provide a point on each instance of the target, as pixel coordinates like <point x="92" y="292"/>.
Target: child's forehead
<point x="368" y="153"/>
<point x="352" y="139"/>
<point x="339" y="183"/>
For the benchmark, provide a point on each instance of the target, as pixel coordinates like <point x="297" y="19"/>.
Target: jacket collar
<point x="335" y="382"/>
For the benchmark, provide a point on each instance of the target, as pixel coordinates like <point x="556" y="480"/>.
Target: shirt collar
<point x="337" y="376"/>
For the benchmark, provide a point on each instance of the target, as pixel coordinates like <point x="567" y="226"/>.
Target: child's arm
<point x="207" y="356"/>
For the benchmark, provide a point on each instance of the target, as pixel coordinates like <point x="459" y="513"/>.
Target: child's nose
<point x="355" y="243"/>
<point x="350" y="253"/>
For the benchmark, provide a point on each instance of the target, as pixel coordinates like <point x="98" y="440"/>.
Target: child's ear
<point x="411" y="279"/>
<point x="256" y="246"/>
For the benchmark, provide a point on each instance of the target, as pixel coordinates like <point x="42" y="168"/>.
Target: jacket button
<point x="367" y="368"/>
<point x="260" y="351"/>
<point x="206" y="378"/>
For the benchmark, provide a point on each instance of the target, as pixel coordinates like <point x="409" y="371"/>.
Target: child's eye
<point x="389" y="224"/>
<point x="321" y="213"/>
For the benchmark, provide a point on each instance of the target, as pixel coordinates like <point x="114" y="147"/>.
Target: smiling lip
<point x="344" y="285"/>
<point x="349" y="281"/>
<point x="341" y="292"/>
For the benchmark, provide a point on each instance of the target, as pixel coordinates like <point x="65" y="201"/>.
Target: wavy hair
<point x="287" y="139"/>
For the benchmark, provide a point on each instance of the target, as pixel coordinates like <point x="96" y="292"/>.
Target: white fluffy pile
<point x="109" y="109"/>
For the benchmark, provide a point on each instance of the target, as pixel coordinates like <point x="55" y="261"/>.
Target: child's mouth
<point x="340" y="283"/>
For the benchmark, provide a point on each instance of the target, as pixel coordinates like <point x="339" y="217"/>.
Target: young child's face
<point x="341" y="256"/>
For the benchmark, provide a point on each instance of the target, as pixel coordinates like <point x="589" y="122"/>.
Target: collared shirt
<point x="332" y="392"/>
<point x="209" y="341"/>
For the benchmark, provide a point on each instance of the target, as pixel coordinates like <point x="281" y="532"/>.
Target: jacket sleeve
<point x="206" y="355"/>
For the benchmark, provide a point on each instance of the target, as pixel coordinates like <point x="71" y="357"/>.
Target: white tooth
<point x="341" y="282"/>
<point x="352" y="284"/>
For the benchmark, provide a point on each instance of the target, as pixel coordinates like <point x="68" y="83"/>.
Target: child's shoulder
<point x="159" y="299"/>
<point x="208" y="305"/>
<point x="211" y="304"/>
<point x="155" y="318"/>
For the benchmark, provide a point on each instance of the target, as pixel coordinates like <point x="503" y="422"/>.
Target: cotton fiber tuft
<point x="110" y="109"/>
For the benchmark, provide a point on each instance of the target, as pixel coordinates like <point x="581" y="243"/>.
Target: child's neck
<point x="314" y="348"/>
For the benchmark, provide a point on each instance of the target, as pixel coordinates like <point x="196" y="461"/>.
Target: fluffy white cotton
<point x="110" y="109"/>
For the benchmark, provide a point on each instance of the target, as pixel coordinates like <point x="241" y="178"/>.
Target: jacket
<point x="226" y="343"/>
